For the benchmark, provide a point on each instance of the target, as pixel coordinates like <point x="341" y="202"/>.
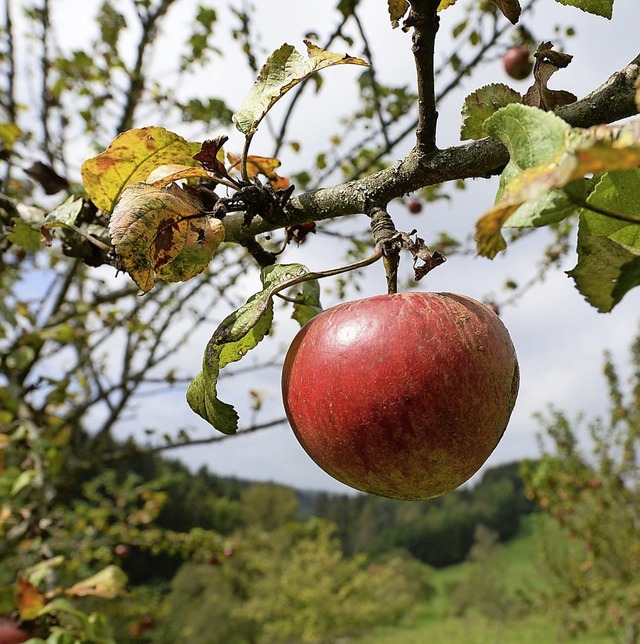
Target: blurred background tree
<point x="591" y="547"/>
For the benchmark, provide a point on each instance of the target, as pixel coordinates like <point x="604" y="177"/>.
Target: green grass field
<point x="435" y="622"/>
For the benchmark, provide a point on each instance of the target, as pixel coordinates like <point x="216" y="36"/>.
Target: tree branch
<point x="425" y="22"/>
<point x="612" y="101"/>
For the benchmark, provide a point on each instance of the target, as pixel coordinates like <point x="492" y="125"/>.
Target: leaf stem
<point x="90" y="238"/>
<point x="377" y="254"/>
<point x="245" y="155"/>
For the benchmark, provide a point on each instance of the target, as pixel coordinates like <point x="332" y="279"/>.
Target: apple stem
<point x="391" y="270"/>
<point x="385" y="234"/>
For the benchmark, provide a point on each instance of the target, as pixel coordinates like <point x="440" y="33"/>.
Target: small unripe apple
<point x="404" y="395"/>
<point x="517" y="62"/>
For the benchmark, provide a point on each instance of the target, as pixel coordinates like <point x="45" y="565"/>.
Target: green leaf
<point x="307" y="304"/>
<point x="64" y="215"/>
<point x="131" y="157"/>
<point x="22" y="481"/>
<point x="550" y="208"/>
<point x="618" y="192"/>
<point x="608" y="259"/>
<point x="234" y="338"/>
<point x="583" y="152"/>
<point x="481" y="104"/>
<point x="37" y="573"/>
<point x="23" y="235"/>
<point x="9" y="134"/>
<point x="598" y="7"/>
<point x="530" y="134"/>
<point x="284" y="69"/>
<point x="62" y="605"/>
<point x="21" y="357"/>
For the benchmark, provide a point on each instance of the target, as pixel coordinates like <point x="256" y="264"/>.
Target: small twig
<point x="374" y="81"/>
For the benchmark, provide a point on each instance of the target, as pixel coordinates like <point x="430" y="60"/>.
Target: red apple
<point x="11" y="633"/>
<point x="403" y="395"/>
<point x="517" y="62"/>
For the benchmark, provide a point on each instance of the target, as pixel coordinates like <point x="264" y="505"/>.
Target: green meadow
<point x="515" y="585"/>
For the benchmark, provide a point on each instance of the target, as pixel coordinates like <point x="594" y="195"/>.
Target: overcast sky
<point x="559" y="338"/>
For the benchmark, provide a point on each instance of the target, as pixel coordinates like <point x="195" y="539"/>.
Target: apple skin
<point x="403" y="396"/>
<point x="517" y="62"/>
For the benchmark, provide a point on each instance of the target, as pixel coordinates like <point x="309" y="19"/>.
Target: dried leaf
<point x="211" y="155"/>
<point x="510" y="8"/>
<point x="163" y="231"/>
<point x="284" y="69"/>
<point x="266" y="166"/>
<point x="547" y="63"/>
<point x="47" y="177"/>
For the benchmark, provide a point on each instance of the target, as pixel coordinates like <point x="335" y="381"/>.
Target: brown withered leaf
<point x="265" y="166"/>
<point x="163" y="230"/>
<point x="510" y="8"/>
<point x="422" y="253"/>
<point x="548" y="62"/>
<point x="209" y="153"/>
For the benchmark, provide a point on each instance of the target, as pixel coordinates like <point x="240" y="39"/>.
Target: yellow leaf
<point x="445" y="4"/>
<point x="29" y="599"/>
<point x="397" y="9"/>
<point x="131" y="157"/>
<point x="108" y="583"/>
<point x="171" y="172"/>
